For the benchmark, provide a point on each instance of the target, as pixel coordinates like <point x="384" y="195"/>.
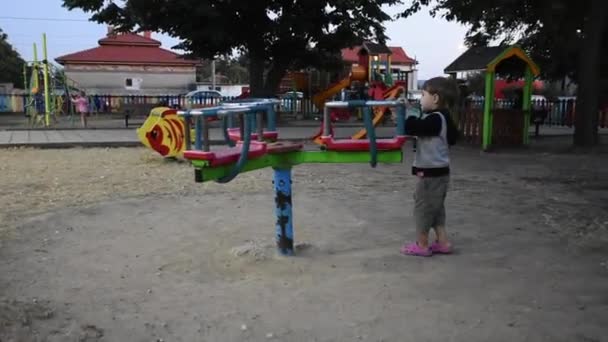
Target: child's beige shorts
<point x="429" y="199"/>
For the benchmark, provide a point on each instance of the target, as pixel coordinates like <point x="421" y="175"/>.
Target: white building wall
<point x="117" y="80"/>
<point x="228" y="90"/>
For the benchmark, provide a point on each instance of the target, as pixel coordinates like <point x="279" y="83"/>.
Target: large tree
<point x="566" y="37"/>
<point x="11" y="63"/>
<point x="275" y="34"/>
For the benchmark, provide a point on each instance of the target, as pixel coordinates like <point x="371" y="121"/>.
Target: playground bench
<point x="139" y="110"/>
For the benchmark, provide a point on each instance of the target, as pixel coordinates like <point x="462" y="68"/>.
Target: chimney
<point x="148" y="34"/>
<point x="110" y="30"/>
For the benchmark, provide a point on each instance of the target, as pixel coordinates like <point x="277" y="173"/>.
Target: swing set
<point x="48" y="90"/>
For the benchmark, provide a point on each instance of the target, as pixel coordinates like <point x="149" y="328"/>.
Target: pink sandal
<point x="438" y="248"/>
<point x="414" y="249"/>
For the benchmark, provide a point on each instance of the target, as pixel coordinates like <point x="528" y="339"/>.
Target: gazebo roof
<point x="488" y="57"/>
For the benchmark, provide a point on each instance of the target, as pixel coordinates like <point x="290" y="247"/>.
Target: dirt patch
<point x="120" y="245"/>
<point x="36" y="181"/>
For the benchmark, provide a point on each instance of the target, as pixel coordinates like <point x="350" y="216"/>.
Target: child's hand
<point x="412" y="111"/>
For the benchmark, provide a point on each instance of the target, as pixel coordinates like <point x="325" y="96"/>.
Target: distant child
<point x="435" y="132"/>
<point x="82" y="107"/>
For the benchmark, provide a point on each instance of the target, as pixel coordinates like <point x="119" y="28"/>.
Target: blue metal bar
<point x="371" y="134"/>
<point x="237" y="107"/>
<point x="225" y="125"/>
<point x="209" y="112"/>
<point x="205" y="131"/>
<point x="236" y="169"/>
<point x="400" y="120"/>
<point x="283" y="210"/>
<point x="326" y="121"/>
<point x="271" y="118"/>
<point x="187" y="136"/>
<point x="259" y="125"/>
<point x="198" y="133"/>
<point x="364" y="103"/>
<point x="254" y="123"/>
<point x="253" y="101"/>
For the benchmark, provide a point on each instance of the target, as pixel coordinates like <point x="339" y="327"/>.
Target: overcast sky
<point x="433" y="41"/>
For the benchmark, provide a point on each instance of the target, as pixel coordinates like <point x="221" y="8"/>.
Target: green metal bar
<point x="487" y="111"/>
<point x="527" y="104"/>
<point x="35" y="67"/>
<point x="294" y="158"/>
<point x="47" y="112"/>
<point x="25" y="76"/>
<point x="34" y="84"/>
<point x="305" y="157"/>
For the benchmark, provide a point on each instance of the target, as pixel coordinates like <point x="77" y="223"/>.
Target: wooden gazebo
<point x="498" y="126"/>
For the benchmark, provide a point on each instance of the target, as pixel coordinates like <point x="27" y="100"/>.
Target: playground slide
<point x="379" y="112"/>
<point x="320" y="98"/>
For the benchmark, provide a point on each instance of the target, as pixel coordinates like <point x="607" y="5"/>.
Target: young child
<point x="435" y="132"/>
<point x="82" y="107"/>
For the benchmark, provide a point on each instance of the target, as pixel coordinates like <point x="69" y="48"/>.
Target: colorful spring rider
<point x="253" y="153"/>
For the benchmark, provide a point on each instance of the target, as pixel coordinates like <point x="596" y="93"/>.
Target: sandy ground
<point x="119" y="245"/>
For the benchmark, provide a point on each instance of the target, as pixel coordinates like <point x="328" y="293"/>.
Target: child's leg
<point x="423" y="221"/>
<point x="422" y="213"/>
<point x="441" y="234"/>
<point x="83" y="120"/>
<point x="440" y="218"/>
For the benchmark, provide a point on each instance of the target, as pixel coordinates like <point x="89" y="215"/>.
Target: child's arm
<point x="427" y="127"/>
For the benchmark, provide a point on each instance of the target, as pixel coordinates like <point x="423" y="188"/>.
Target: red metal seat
<point x="358" y="145"/>
<point x="235" y="134"/>
<point x="228" y="155"/>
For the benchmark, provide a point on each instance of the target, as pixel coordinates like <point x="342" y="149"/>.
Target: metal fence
<point x="554" y="113"/>
<point x="559" y="113"/>
<point x="17" y="103"/>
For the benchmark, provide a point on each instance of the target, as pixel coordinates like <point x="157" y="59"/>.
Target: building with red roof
<point x="129" y="63"/>
<point x="401" y="62"/>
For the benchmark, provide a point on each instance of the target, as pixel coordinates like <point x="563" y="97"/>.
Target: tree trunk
<point x="261" y="86"/>
<point x="274" y="77"/>
<point x="256" y="76"/>
<point x="587" y="100"/>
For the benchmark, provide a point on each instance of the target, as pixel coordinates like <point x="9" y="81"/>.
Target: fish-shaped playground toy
<point x="163" y="131"/>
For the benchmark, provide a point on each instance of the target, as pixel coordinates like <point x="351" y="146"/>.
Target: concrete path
<point x="114" y="137"/>
<point x="128" y="137"/>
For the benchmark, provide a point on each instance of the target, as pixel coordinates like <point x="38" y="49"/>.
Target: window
<point x="128" y="82"/>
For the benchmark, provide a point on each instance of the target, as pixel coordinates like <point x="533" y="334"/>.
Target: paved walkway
<point x="128" y="137"/>
<point x="62" y="138"/>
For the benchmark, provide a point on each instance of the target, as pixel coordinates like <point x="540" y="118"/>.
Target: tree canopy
<point x="11" y="63"/>
<point x="567" y="38"/>
<point x="275" y="34"/>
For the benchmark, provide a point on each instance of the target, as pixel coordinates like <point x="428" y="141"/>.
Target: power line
<point x="43" y="19"/>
